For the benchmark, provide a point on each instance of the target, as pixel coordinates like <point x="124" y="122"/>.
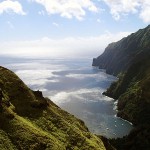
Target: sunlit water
<point x="76" y="87"/>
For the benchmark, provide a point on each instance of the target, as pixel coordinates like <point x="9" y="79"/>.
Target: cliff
<point x="119" y="56"/>
<point x="129" y="59"/>
<point x="30" y="121"/>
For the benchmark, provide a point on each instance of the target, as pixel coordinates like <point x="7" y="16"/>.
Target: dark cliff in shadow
<point x="129" y="59"/>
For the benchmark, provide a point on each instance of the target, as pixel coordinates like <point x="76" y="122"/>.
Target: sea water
<point x="75" y="86"/>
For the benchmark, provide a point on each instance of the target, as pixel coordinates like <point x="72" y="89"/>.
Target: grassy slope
<point x="119" y="56"/>
<point x="133" y="93"/>
<point x="30" y="121"/>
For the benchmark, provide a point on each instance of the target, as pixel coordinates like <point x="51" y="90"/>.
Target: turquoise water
<point x="75" y="86"/>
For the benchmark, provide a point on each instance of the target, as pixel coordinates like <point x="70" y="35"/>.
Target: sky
<point x="58" y="28"/>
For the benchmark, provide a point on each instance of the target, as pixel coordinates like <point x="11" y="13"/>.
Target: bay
<point x="75" y="86"/>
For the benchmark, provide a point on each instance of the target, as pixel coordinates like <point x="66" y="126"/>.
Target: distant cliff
<point x="118" y="56"/>
<point x="129" y="59"/>
<point x="28" y="121"/>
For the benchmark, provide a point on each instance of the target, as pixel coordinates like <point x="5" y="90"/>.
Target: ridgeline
<point x="28" y="121"/>
<point x="129" y="60"/>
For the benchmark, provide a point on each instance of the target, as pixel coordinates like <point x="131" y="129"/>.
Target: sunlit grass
<point x="30" y="121"/>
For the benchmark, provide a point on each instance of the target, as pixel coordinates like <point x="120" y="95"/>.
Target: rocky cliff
<point x="119" y="56"/>
<point x="28" y="121"/>
<point x="129" y="59"/>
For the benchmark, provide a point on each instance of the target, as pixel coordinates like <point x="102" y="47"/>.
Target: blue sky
<point x="68" y="27"/>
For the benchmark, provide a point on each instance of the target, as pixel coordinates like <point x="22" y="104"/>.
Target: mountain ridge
<point x="30" y="121"/>
<point x="129" y="60"/>
<point x="118" y="56"/>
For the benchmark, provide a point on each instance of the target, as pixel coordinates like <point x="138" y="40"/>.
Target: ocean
<point x="75" y="86"/>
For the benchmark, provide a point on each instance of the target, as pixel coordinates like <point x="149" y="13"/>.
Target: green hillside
<point x="119" y="56"/>
<point x="129" y="59"/>
<point x="28" y="121"/>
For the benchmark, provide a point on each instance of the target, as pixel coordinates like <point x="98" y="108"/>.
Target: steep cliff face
<point x="133" y="92"/>
<point x="30" y="121"/>
<point x="130" y="60"/>
<point x="118" y="56"/>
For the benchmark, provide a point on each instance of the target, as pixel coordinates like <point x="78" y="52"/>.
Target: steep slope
<point x="30" y="121"/>
<point x="118" y="56"/>
<point x="133" y="92"/>
<point x="130" y="60"/>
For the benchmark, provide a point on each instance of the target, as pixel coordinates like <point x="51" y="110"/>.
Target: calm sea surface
<point x="75" y="86"/>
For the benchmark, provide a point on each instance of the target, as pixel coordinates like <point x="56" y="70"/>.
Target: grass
<point x="28" y="121"/>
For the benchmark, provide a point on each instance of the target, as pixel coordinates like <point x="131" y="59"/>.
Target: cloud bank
<point x="46" y="47"/>
<point x="68" y="8"/>
<point x="79" y="8"/>
<point x="9" y="6"/>
<point x="118" y="8"/>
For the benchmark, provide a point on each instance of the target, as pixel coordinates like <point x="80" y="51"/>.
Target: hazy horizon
<point x="39" y="29"/>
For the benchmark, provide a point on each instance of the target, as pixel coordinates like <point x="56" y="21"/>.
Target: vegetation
<point x="28" y="121"/>
<point x="130" y="60"/>
<point x="138" y="139"/>
<point x="133" y="92"/>
<point x="119" y="56"/>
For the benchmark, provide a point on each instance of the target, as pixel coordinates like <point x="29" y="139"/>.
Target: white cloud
<point x="99" y="21"/>
<point x="41" y="12"/>
<point x="11" y="6"/>
<point x="10" y="25"/>
<point x="145" y="12"/>
<point x="125" y="7"/>
<point x="68" y="8"/>
<point x="119" y="7"/>
<point x="55" y="24"/>
<point x="32" y="76"/>
<point x="64" y="97"/>
<point x="71" y="47"/>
